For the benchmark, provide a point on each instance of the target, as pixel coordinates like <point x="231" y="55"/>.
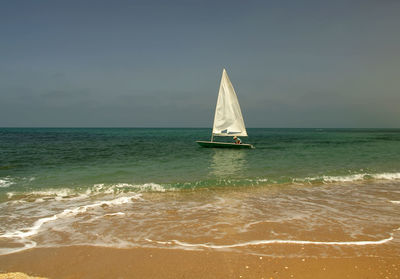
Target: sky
<point x="300" y="64"/>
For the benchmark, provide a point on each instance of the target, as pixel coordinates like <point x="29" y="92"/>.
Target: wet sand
<point x="98" y="262"/>
<point x="18" y="275"/>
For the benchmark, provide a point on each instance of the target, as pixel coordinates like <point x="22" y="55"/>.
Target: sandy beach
<point x="251" y="241"/>
<point x="95" y="262"/>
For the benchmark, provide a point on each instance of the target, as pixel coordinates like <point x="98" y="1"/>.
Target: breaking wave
<point x="82" y="193"/>
<point x="119" y="188"/>
<point x="6" y="182"/>
<point x="350" y="178"/>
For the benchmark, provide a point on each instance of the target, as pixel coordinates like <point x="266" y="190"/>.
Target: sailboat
<point x="228" y="119"/>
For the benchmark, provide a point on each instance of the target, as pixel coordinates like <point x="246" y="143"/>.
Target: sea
<point x="300" y="192"/>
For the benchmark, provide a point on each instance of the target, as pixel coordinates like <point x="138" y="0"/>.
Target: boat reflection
<point x="228" y="163"/>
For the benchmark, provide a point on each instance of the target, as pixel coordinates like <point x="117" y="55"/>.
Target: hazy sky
<point x="159" y="63"/>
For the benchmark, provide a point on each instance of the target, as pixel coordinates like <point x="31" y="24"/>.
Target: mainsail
<point x="228" y="119"/>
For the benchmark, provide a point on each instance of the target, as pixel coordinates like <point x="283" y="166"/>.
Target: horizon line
<point x="149" y="127"/>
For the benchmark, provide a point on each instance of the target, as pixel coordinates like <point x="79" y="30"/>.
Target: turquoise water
<point x="34" y="158"/>
<point x="301" y="192"/>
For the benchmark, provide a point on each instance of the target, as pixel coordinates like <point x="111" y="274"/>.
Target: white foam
<point x="352" y="177"/>
<point x="72" y="194"/>
<point x="119" y="187"/>
<point x="57" y="194"/>
<point x="387" y="175"/>
<point x="280" y="241"/>
<point x="6" y="182"/>
<point x="346" y="178"/>
<point x="330" y="179"/>
<point x="154" y="187"/>
<point x="395" y="202"/>
<point x="160" y="242"/>
<point x="262" y="180"/>
<point x="34" y="229"/>
<point x="53" y="192"/>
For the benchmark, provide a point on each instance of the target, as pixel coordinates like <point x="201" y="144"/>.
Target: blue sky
<point x="159" y="63"/>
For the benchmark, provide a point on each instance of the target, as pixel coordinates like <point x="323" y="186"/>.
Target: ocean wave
<point x="387" y="175"/>
<point x="6" y="182"/>
<point x="120" y="188"/>
<point x="39" y="196"/>
<point x="82" y="193"/>
<point x="350" y="178"/>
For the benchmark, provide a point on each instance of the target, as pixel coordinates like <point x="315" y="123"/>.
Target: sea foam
<point x="281" y="241"/>
<point x="76" y="194"/>
<point x="350" y="178"/>
<point x="6" y="182"/>
<point x="120" y="187"/>
<point x="276" y="241"/>
<point x="22" y="234"/>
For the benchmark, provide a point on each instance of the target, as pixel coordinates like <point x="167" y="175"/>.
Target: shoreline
<point x="101" y="262"/>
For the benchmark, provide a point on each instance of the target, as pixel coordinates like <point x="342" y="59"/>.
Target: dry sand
<point x="96" y="262"/>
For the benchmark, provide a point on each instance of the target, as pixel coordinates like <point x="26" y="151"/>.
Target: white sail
<point x="228" y="119"/>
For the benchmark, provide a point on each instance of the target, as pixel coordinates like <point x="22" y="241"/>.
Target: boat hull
<point x="214" y="144"/>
